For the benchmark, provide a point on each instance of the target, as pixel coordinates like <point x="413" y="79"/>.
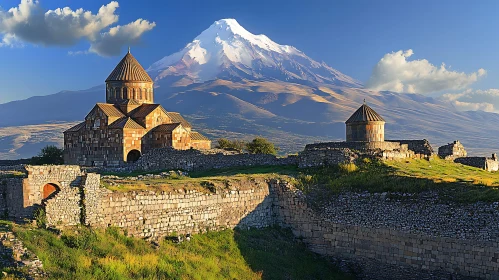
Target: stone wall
<point x="489" y="164"/>
<point x="421" y="148"/>
<point x="381" y="252"/>
<point x="189" y="160"/>
<point x="324" y="157"/>
<point x="360" y="146"/>
<point x="151" y="214"/>
<point x="452" y="151"/>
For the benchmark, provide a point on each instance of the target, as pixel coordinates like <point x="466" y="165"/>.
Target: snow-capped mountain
<point x="227" y="50"/>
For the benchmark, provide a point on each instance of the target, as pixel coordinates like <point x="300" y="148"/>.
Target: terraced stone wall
<point x="386" y="252"/>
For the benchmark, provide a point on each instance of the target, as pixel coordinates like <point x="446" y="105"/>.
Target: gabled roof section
<point x="129" y="69"/>
<point x="176" y="117"/>
<point x="110" y="110"/>
<point x="198" y="136"/>
<point x="76" y="128"/>
<point x="126" y="122"/>
<point x="169" y="127"/>
<point x="144" y="110"/>
<point x="365" y="114"/>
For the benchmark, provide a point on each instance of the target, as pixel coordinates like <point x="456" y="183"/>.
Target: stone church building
<point x="129" y="124"/>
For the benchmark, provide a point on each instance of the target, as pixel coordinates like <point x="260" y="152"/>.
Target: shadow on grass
<point x="275" y="254"/>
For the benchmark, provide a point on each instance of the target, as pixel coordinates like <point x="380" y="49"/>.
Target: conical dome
<point x="365" y="114"/>
<point x="129" y="69"/>
<point x="129" y="81"/>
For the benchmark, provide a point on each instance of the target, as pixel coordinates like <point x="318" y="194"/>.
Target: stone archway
<point x="49" y="189"/>
<point x="133" y="156"/>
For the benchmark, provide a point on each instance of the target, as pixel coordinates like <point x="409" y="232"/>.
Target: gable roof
<point x="110" y="110"/>
<point x="365" y="114"/>
<point x="144" y="110"/>
<point x="176" y="117"/>
<point x="198" y="136"/>
<point x="169" y="127"/>
<point x="76" y="128"/>
<point x="126" y="122"/>
<point x="129" y="69"/>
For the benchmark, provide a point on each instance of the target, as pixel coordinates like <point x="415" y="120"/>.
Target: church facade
<point x="129" y="124"/>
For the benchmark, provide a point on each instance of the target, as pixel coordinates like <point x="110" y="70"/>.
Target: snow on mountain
<point x="227" y="50"/>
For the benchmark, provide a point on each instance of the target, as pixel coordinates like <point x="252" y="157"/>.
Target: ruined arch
<point x="49" y="190"/>
<point x="133" y="156"/>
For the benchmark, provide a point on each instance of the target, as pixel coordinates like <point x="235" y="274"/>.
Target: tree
<point x="227" y="144"/>
<point x="49" y="155"/>
<point x="261" y="145"/>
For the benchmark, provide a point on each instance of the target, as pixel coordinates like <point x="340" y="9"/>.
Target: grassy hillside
<point x="82" y="253"/>
<point x="451" y="181"/>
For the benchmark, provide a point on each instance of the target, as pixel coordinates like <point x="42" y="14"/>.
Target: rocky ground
<point x="16" y="260"/>
<point x="415" y="213"/>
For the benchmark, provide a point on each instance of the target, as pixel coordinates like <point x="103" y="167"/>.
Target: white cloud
<point x="395" y="73"/>
<point x="29" y="23"/>
<point x="483" y="100"/>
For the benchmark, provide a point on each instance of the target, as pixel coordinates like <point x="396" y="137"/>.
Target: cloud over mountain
<point x="473" y="100"/>
<point x="28" y="22"/>
<point x="394" y="72"/>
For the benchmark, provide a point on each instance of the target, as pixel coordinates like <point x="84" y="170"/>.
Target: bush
<point x="226" y="144"/>
<point x="261" y="145"/>
<point x="40" y="218"/>
<point x="49" y="155"/>
<point x="348" y="167"/>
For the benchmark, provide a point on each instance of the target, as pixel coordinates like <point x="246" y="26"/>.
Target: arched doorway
<point x="133" y="156"/>
<point x="49" y="189"/>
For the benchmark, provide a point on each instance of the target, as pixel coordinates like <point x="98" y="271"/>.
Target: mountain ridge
<point x="274" y="91"/>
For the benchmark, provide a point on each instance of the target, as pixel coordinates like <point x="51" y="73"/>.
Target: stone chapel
<point x="129" y="124"/>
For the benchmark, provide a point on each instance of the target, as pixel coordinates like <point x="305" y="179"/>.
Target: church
<point x="129" y="124"/>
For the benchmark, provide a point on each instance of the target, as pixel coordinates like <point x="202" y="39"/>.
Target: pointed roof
<point x="109" y="110"/>
<point x="168" y="127"/>
<point x="76" y="128"/>
<point x="176" y="117"/>
<point x="126" y="122"/>
<point x="144" y="110"/>
<point x="129" y="69"/>
<point x="365" y="114"/>
<point x="198" y="136"/>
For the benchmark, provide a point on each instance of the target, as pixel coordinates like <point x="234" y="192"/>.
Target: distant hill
<point x="231" y="83"/>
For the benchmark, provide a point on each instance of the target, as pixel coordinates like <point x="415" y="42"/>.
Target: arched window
<point x="135" y="93"/>
<point x="125" y="93"/>
<point x="140" y="93"/>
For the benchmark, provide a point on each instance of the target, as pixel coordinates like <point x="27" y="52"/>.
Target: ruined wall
<point x="324" y="157"/>
<point x="421" y="148"/>
<point x="151" y="214"/>
<point x="489" y="164"/>
<point x="452" y="151"/>
<point x="171" y="159"/>
<point x="360" y="146"/>
<point x="384" y="252"/>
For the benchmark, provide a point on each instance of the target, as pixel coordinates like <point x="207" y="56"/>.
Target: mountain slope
<point x="231" y="83"/>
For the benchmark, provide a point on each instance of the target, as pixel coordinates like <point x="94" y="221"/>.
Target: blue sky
<point x="351" y="36"/>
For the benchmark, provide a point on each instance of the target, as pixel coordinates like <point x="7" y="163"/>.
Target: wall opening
<point x="49" y="189"/>
<point x="133" y="156"/>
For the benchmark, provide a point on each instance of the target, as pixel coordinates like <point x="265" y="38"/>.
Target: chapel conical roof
<point x="365" y="114"/>
<point x="129" y="69"/>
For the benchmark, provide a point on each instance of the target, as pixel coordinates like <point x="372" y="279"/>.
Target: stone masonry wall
<point x="382" y="252"/>
<point x="171" y="159"/>
<point x="151" y="214"/>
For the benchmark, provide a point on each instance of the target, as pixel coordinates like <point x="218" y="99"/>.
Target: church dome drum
<point x="129" y="81"/>
<point x="365" y="125"/>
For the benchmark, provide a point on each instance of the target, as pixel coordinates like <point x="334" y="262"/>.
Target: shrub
<point x="226" y="144"/>
<point x="40" y="218"/>
<point x="261" y="145"/>
<point x="49" y="155"/>
<point x="348" y="167"/>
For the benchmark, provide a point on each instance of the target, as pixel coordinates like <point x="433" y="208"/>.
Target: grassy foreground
<point x="82" y="253"/>
<point x="452" y="181"/>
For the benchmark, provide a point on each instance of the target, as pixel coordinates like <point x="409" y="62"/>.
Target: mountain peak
<point x="227" y="50"/>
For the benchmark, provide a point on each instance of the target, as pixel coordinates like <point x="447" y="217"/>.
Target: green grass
<point x="82" y="253"/>
<point x="201" y="181"/>
<point x="452" y="181"/>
